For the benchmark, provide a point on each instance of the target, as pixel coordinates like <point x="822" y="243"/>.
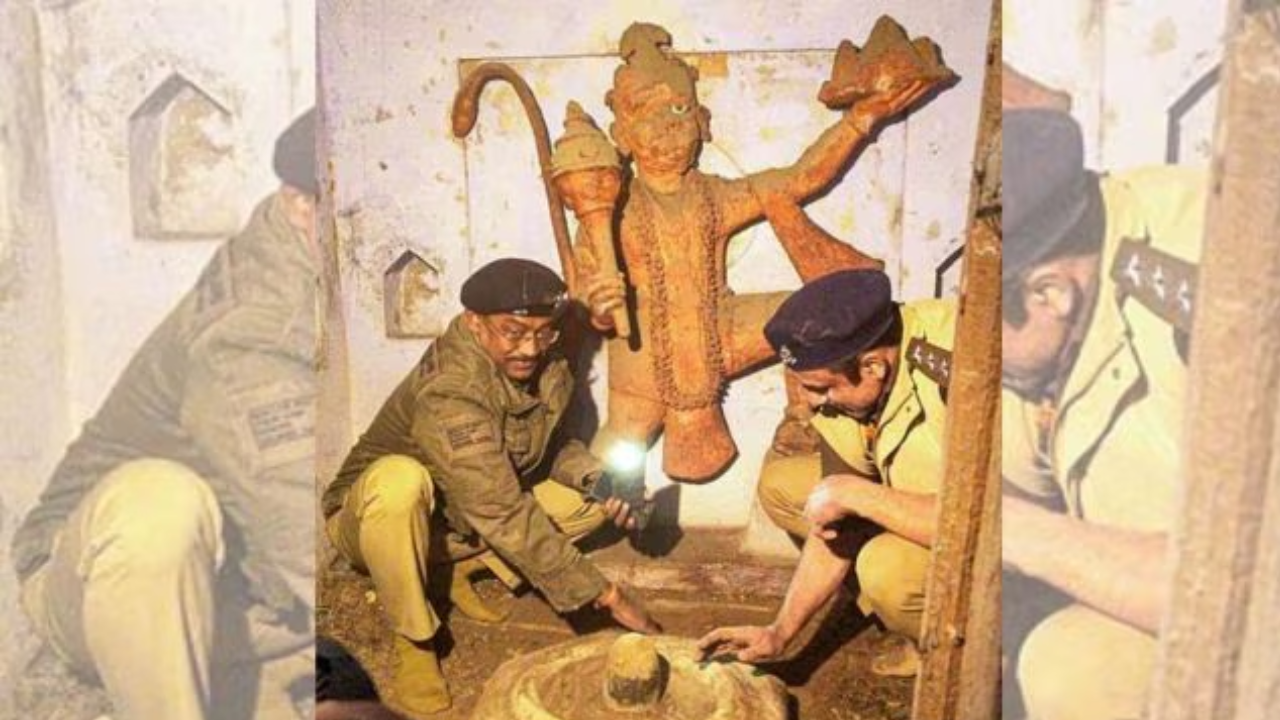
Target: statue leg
<point x="813" y="251"/>
<point x="632" y="418"/>
<point x="742" y="331"/>
<point x="746" y="350"/>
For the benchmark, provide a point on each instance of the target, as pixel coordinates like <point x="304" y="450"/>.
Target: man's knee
<point x="570" y="511"/>
<point x="157" y="513"/>
<point x="397" y="485"/>
<point x="891" y="572"/>
<point x="785" y="484"/>
<point x="586" y="520"/>
<point x="1079" y="664"/>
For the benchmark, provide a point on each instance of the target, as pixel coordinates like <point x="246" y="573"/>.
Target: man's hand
<point x="602" y="293"/>
<point x="830" y="502"/>
<point x="619" y="513"/>
<point x="867" y="113"/>
<point x="749" y="644"/>
<point x="626" y="611"/>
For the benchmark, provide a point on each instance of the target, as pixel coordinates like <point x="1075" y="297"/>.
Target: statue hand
<point x="866" y="114"/>
<point x="602" y="293"/>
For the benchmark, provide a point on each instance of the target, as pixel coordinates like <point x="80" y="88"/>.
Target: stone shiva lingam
<point x="603" y="677"/>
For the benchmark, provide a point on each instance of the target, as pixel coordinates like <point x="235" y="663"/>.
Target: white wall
<point x="101" y="61"/>
<point x="78" y="290"/>
<point x="33" y="413"/>
<point x="390" y="69"/>
<point x="1128" y="65"/>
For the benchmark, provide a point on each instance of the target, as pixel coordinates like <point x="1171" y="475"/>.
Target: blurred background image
<point x="140" y="347"/>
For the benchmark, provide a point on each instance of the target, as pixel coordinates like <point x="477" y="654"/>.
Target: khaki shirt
<point x="903" y="448"/>
<point x="486" y="441"/>
<point x="1110" y="447"/>
<point x="226" y="386"/>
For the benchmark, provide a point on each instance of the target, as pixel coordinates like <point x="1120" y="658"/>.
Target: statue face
<point x="659" y="127"/>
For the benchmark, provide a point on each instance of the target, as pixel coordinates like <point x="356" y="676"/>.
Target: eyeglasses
<point x="515" y="335"/>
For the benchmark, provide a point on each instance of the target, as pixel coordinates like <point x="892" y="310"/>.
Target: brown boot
<point x="898" y="657"/>
<point x="418" y="688"/>
<point x="464" y="597"/>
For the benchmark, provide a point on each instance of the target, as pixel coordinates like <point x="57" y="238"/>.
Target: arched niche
<point x="183" y="177"/>
<point x="412" y="298"/>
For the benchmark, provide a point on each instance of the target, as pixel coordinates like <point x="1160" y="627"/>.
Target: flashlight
<point x="623" y="479"/>
<point x="625" y="458"/>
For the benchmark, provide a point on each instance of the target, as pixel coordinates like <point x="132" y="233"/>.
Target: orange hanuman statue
<point x="691" y="332"/>
<point x="684" y="333"/>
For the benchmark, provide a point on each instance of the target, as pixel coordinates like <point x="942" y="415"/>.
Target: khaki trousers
<point x="384" y="529"/>
<point x="891" y="570"/>
<point x="1079" y="664"/>
<point x="130" y="595"/>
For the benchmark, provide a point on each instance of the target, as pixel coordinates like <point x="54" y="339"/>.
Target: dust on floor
<point x="829" y="679"/>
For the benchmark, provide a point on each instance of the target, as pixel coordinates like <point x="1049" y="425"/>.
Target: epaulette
<point x="931" y="360"/>
<point x="215" y="291"/>
<point x="429" y="365"/>
<point x="1164" y="284"/>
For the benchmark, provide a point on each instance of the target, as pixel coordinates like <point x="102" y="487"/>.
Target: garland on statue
<point x="650" y="246"/>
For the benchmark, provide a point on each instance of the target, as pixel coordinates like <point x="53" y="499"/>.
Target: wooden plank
<point x="959" y="677"/>
<point x="1218" y="656"/>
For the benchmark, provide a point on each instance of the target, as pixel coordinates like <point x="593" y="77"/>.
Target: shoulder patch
<point x="281" y="421"/>
<point x="469" y="436"/>
<point x="215" y="290"/>
<point x="429" y="365"/>
<point x="931" y="360"/>
<point x="1162" y="283"/>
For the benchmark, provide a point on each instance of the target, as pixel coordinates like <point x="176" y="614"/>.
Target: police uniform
<point x="902" y="448"/>
<point x="1104" y="445"/>
<point x="188" y="496"/>
<point x="461" y="459"/>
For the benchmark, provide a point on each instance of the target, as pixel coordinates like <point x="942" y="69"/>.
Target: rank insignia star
<point x="931" y="360"/>
<point x="1162" y="283"/>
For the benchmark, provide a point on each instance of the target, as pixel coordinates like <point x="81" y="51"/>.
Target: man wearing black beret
<point x="467" y="464"/>
<point x="171" y="554"/>
<point x="1099" y="285"/>
<point x="877" y="374"/>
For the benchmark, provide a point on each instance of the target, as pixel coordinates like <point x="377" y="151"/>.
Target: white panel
<point x="1134" y="68"/>
<point x="1156" y="52"/>
<point x="390" y="69"/>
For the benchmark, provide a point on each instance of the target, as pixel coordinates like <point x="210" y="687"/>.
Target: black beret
<point x="1047" y="190"/>
<point x="831" y="319"/>
<point x="516" y="286"/>
<point x="295" y="155"/>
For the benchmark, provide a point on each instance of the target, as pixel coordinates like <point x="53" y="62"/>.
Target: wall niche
<point x="184" y="179"/>
<point x="411" y="296"/>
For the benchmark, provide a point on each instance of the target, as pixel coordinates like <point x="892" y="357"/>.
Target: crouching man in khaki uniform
<point x="171" y="554"/>
<point x="1099" y="283"/>
<point x="467" y="458"/>
<point x="877" y="374"/>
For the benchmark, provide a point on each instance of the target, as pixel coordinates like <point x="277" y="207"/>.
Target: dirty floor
<point x="690" y="590"/>
<point x="694" y="586"/>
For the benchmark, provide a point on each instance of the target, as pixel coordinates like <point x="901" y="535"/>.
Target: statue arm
<point x="825" y="160"/>
<point x="597" y="291"/>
